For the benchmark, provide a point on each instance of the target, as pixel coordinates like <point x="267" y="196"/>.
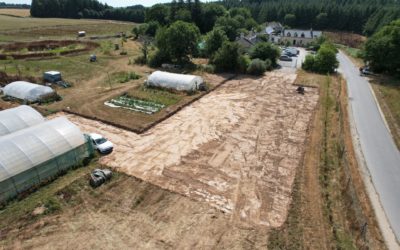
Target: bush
<point x="309" y="63"/>
<point x="268" y="64"/>
<point x="324" y="62"/>
<point x="213" y="41"/>
<point x="264" y="51"/>
<point x="257" y="67"/>
<point x="226" y="58"/>
<point x="206" y="68"/>
<point x="157" y="59"/>
<point x="243" y="64"/>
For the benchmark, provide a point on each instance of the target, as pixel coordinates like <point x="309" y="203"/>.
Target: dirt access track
<point x="236" y="149"/>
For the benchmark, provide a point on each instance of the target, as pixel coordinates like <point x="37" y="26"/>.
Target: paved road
<point x="380" y="152"/>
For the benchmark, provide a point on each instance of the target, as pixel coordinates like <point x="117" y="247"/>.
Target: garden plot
<point x="237" y="148"/>
<point x="134" y="104"/>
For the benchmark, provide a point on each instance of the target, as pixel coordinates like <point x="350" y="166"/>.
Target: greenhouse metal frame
<point x="38" y="154"/>
<point x="12" y="120"/>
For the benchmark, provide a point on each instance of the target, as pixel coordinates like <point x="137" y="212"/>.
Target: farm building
<point x="27" y="91"/>
<point x="34" y="155"/>
<point x="15" y="119"/>
<point x="52" y="76"/>
<point x="178" y="82"/>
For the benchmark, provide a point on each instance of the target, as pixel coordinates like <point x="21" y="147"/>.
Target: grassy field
<point x="329" y="204"/>
<point x="387" y="90"/>
<point x="27" y="29"/>
<point x="16" y="12"/>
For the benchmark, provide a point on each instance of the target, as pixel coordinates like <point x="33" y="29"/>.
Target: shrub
<point x="157" y="58"/>
<point x="243" y="64"/>
<point x="257" y="67"/>
<point x="206" y="68"/>
<point x="226" y="58"/>
<point x="268" y="64"/>
<point x="264" y="51"/>
<point x="324" y="62"/>
<point x="309" y="63"/>
<point x="213" y="41"/>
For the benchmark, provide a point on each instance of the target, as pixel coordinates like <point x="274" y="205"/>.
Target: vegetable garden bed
<point x="134" y="104"/>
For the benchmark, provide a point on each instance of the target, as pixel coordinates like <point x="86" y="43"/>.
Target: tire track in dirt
<point x="237" y="148"/>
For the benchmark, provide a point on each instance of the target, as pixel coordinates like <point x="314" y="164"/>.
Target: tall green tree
<point x="214" y="40"/>
<point x="179" y="41"/>
<point x="382" y="50"/>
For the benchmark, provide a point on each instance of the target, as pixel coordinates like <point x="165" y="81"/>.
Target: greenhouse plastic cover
<point x="175" y="81"/>
<point x="26" y="91"/>
<point x="30" y="147"/>
<point x="15" y="119"/>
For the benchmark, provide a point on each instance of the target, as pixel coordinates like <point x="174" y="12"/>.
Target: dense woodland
<point x="359" y="16"/>
<point x="85" y="9"/>
<point x="13" y="6"/>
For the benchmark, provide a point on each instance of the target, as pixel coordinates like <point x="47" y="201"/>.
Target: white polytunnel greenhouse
<point x="18" y="118"/>
<point x="27" y="91"/>
<point x="178" y="82"/>
<point x="38" y="154"/>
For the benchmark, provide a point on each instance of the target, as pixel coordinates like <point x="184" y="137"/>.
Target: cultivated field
<point x="16" y="12"/>
<point x="14" y="29"/>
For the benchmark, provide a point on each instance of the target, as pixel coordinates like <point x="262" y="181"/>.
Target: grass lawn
<point x="160" y="96"/>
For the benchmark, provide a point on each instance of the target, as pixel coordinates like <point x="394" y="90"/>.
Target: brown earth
<point x="236" y="148"/>
<point x="128" y="214"/>
<point x="40" y="48"/>
<point x="349" y="39"/>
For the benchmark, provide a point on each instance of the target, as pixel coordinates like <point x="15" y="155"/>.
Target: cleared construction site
<point x="236" y="149"/>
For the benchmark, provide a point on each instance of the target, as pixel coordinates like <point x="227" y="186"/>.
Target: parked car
<point x="285" y="58"/>
<point x="290" y="52"/>
<point x="101" y="144"/>
<point x="365" y="71"/>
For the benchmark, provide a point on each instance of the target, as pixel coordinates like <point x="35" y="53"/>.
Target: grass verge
<point x="330" y="208"/>
<point x="387" y="90"/>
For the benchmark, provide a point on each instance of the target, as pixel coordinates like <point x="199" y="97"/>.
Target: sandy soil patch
<point x="237" y="148"/>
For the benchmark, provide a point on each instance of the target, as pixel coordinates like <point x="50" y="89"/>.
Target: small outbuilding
<point x="27" y="91"/>
<point x="52" y="76"/>
<point x="178" y="82"/>
<point x="12" y="120"/>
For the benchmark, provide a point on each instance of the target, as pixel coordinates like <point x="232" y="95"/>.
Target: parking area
<point x="237" y="148"/>
<point x="296" y="62"/>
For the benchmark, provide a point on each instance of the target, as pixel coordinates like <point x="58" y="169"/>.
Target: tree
<point x="152" y="28"/>
<point x="321" y="20"/>
<point x="159" y="13"/>
<point x="226" y="58"/>
<point x="183" y="15"/>
<point x="290" y="20"/>
<point x="210" y="13"/>
<point x="229" y="25"/>
<point x="382" y="50"/>
<point x="324" y="62"/>
<point x="197" y="13"/>
<point x="179" y="41"/>
<point x="264" y="51"/>
<point x="214" y="40"/>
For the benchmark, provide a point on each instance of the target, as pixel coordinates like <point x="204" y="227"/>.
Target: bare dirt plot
<point x="16" y="12"/>
<point x="126" y="213"/>
<point x="236" y="148"/>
